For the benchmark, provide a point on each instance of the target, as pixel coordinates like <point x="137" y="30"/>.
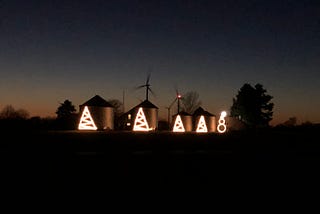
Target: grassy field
<point x="270" y="160"/>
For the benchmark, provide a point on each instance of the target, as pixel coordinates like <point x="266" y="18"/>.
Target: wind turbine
<point x="147" y="86"/>
<point x="178" y="97"/>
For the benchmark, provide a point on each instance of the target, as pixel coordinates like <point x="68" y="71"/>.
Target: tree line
<point x="252" y="106"/>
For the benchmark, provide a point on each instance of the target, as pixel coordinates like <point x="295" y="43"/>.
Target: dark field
<point x="270" y="160"/>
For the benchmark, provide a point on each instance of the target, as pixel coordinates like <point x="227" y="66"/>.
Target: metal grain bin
<point x="150" y="112"/>
<point x="210" y="119"/>
<point x="186" y="120"/>
<point x="101" y="112"/>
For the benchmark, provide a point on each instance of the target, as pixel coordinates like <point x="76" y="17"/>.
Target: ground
<point x="258" y="161"/>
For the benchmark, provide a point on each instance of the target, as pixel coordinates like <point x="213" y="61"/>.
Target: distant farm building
<point x="144" y="112"/>
<point x="208" y="118"/>
<point x="186" y="120"/>
<point x="97" y="112"/>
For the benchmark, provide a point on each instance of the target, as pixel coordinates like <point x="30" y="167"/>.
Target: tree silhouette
<point x="8" y="112"/>
<point x="190" y="102"/>
<point x="66" y="109"/>
<point x="66" y="117"/>
<point x="252" y="106"/>
<point x="11" y="119"/>
<point x="292" y="121"/>
<point x="117" y="105"/>
<point x="118" y="111"/>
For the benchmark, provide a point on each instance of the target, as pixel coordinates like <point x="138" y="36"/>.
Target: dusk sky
<point x="55" y="50"/>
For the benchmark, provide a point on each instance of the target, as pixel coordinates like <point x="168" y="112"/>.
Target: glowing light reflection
<point x="178" y="125"/>
<point x="222" y="123"/>
<point x="140" y="123"/>
<point x="86" y="121"/>
<point x="202" y="127"/>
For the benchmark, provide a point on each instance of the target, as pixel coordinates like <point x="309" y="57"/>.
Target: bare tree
<point x="8" y="112"/>
<point x="118" y="111"/>
<point x="118" y="106"/>
<point x="292" y="121"/>
<point x="190" y="102"/>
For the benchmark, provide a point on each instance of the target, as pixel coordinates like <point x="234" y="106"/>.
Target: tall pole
<point x="147" y="92"/>
<point x="169" y="108"/>
<point x="178" y="97"/>
<point x="123" y="108"/>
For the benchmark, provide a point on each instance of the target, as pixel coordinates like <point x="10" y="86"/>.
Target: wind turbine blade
<point x="148" y="79"/>
<point x="173" y="102"/>
<point x="152" y="92"/>
<point x="176" y="89"/>
<point x="141" y="86"/>
<point x="178" y="94"/>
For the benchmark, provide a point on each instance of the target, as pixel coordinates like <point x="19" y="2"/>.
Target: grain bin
<point x="210" y="120"/>
<point x="101" y="111"/>
<point x="146" y="112"/>
<point x="186" y="121"/>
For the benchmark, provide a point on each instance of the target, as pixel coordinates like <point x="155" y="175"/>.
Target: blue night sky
<point x="54" y="50"/>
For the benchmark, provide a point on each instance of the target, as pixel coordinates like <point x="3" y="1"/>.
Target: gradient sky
<point x="54" y="50"/>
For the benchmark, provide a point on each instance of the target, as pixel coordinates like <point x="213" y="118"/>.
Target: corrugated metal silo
<point x="210" y="119"/>
<point x="150" y="112"/>
<point x="101" y="111"/>
<point x="186" y="120"/>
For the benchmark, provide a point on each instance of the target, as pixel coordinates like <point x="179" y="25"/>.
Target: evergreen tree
<point x="252" y="106"/>
<point x="66" y="117"/>
<point x="65" y="110"/>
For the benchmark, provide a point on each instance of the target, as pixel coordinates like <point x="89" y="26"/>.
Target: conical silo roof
<point x="97" y="101"/>
<point x="200" y="111"/>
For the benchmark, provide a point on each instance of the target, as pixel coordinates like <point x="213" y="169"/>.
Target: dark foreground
<point x="262" y="161"/>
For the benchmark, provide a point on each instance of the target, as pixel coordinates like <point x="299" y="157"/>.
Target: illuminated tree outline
<point x="86" y="121"/>
<point x="140" y="123"/>
<point x="178" y="125"/>
<point x="222" y="123"/>
<point x="202" y="127"/>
